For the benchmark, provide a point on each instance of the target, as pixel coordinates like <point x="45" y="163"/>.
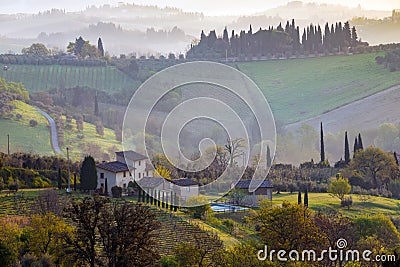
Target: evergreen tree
<point x="299" y="198"/>
<point x="100" y="47"/>
<point x="306" y="198"/>
<point x="106" y="187"/>
<point x="346" y="149"/>
<point x="322" y="145"/>
<point x="203" y="37"/>
<point x="326" y="40"/>
<point x="360" y="143"/>
<point x="225" y="36"/>
<point x="79" y="44"/>
<point x="304" y="39"/>
<point x="74" y="181"/>
<point x="280" y="27"/>
<point x="347" y="34"/>
<point x="176" y="202"/>
<point x="355" y="147"/>
<point x="59" y="179"/>
<point x="395" y="158"/>
<point x="140" y="195"/>
<point x="96" y="105"/>
<point x="354" y="37"/>
<point x="88" y="174"/>
<point x="269" y="159"/>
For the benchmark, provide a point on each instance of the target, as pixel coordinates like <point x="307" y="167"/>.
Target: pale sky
<point x="208" y="7"/>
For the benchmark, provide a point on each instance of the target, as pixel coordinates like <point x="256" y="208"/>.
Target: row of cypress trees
<point x="159" y="198"/>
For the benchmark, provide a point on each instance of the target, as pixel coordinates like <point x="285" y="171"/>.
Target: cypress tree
<point x="88" y="174"/>
<point x="395" y="158"/>
<point x="59" y="179"/>
<point x="100" y="47"/>
<point x="269" y="160"/>
<point x="322" y="145"/>
<point x="354" y="37"/>
<point x="140" y="195"/>
<point x="306" y="198"/>
<point x="74" y="181"/>
<point x="96" y="105"/>
<point x="360" y="143"/>
<point x="176" y="202"/>
<point x="106" y="187"/>
<point x="346" y="149"/>
<point x="299" y="198"/>
<point x="225" y="36"/>
<point x="171" y="206"/>
<point x="355" y="148"/>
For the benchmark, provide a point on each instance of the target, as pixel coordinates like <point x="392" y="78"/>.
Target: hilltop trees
<point x="82" y="48"/>
<point x="36" y="49"/>
<point x="282" y="41"/>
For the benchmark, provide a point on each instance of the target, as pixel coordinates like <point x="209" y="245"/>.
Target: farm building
<point x="118" y="173"/>
<point x="262" y="192"/>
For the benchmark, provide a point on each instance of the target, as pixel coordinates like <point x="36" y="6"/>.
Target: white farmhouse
<point x="117" y="173"/>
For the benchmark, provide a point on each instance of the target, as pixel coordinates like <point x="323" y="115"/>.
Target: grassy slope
<point x="75" y="144"/>
<point x="24" y="138"/>
<point x="37" y="139"/>
<point x="298" y="89"/>
<point x="46" y="77"/>
<point x="318" y="201"/>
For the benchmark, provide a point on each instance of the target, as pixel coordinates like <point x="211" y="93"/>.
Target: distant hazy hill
<point x="127" y="28"/>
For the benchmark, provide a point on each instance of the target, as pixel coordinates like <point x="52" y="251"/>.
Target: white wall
<point x="113" y="179"/>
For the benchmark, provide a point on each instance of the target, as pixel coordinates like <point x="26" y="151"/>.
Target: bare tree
<point x="234" y="149"/>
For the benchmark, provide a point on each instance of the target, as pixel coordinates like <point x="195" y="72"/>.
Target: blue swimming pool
<point x="220" y="207"/>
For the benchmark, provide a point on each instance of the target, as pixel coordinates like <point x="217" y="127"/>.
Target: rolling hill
<point x="36" y="140"/>
<point x="299" y="89"/>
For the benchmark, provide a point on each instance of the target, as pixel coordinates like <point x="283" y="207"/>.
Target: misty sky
<point x="208" y="7"/>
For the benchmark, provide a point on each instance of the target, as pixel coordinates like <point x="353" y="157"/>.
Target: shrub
<point x="346" y="202"/>
<point x="229" y="225"/>
<point x="33" y="123"/>
<point x="116" y="191"/>
<point x="13" y="187"/>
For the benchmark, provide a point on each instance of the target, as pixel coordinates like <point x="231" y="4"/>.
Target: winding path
<point x="53" y="132"/>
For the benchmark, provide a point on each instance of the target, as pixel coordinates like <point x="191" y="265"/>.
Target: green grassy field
<point x="46" y="77"/>
<point x="24" y="138"/>
<point x="36" y="140"/>
<point x="107" y="143"/>
<point x="323" y="201"/>
<point x="298" y="89"/>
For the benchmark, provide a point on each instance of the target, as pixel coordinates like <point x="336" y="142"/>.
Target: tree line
<point x="336" y="37"/>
